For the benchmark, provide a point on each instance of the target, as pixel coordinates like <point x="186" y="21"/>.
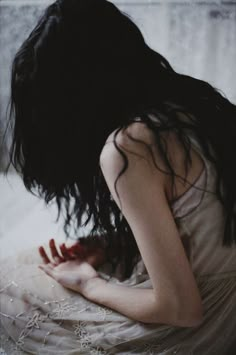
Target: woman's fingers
<point x="55" y="255"/>
<point x="64" y="251"/>
<point x="57" y="258"/>
<point x="43" y="255"/>
<point x="73" y="252"/>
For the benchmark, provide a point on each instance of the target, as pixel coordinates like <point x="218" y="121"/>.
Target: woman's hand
<point x="70" y="272"/>
<point x="87" y="248"/>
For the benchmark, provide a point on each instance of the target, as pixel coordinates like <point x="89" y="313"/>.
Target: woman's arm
<point x="175" y="297"/>
<point x="137" y="304"/>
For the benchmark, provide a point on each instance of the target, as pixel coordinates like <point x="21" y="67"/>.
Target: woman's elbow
<point x="192" y="317"/>
<point x="177" y="316"/>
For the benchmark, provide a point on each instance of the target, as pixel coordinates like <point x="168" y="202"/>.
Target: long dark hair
<point x="84" y="71"/>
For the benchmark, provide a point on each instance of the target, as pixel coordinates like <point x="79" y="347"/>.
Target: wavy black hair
<point x="84" y="71"/>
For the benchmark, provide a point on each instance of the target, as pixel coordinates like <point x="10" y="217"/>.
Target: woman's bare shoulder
<point x="137" y="138"/>
<point x="134" y="147"/>
<point x="138" y="130"/>
<point x="138" y="141"/>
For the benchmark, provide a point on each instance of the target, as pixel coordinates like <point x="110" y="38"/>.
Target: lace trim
<point x="80" y="330"/>
<point x="61" y="308"/>
<point x="154" y="349"/>
<point x="8" y="346"/>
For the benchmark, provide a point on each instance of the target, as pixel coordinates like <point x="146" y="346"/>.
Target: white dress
<point x="39" y="316"/>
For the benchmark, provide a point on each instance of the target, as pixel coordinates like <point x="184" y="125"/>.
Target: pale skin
<point x="145" y="194"/>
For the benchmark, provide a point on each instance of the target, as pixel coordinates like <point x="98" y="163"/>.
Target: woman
<point x="106" y="128"/>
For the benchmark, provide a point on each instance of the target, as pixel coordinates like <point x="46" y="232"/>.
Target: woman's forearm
<point x="135" y="303"/>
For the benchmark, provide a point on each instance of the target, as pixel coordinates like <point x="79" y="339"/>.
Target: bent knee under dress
<point x="39" y="316"/>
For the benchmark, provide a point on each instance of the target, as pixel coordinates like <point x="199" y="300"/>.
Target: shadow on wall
<point x="198" y="38"/>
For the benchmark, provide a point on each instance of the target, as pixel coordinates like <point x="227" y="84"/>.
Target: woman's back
<point x="201" y="219"/>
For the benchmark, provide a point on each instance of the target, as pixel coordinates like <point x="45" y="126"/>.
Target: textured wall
<point x="197" y="37"/>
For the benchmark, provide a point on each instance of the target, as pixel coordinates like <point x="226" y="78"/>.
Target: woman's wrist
<point x="90" y="286"/>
